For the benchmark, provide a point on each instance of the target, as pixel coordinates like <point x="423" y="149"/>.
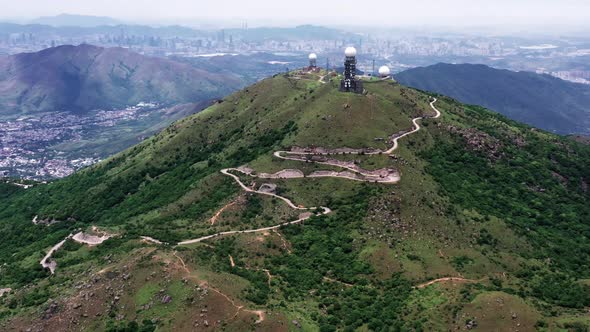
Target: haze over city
<point x="563" y="14"/>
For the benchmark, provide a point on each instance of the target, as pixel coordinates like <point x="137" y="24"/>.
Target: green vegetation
<point x="482" y="198"/>
<point x="7" y="189"/>
<point x="536" y="183"/>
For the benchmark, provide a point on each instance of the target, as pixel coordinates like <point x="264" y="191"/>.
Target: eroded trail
<point x="84" y="238"/>
<point x="353" y="173"/>
<point x="47" y="262"/>
<point x="447" y="279"/>
<point x="204" y="284"/>
<point x="220" y="211"/>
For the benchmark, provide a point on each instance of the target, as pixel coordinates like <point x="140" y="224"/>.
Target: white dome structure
<point x="384" y="71"/>
<point x="313" y="56"/>
<point x="350" y="51"/>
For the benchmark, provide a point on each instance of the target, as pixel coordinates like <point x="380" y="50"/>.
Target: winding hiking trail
<point x="84" y="238"/>
<point x="47" y="262"/>
<point x="416" y="127"/>
<point x="353" y="172"/>
<point x="365" y="176"/>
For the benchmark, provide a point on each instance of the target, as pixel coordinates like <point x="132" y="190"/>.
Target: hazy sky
<point x="280" y="12"/>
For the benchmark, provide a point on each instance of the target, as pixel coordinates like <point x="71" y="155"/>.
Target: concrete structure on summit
<point x="313" y="58"/>
<point x="313" y="64"/>
<point x="350" y="83"/>
<point x="384" y="72"/>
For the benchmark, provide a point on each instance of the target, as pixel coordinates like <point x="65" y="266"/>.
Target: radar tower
<point x="350" y="83"/>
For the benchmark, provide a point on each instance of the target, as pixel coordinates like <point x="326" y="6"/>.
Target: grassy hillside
<point x="499" y="206"/>
<point x="85" y="77"/>
<point x="542" y="101"/>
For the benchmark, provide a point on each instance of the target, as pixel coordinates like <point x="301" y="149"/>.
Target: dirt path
<point x="266" y="271"/>
<point x="416" y="127"/>
<point x="231" y="261"/>
<point x="24" y="186"/>
<point x="182" y="263"/>
<point x="261" y="315"/>
<point x="204" y="284"/>
<point x="49" y="263"/>
<point x="151" y="239"/>
<point x="283" y="241"/>
<point x="213" y="219"/>
<point x="451" y="279"/>
<point x="268" y="275"/>
<point x="300" y="220"/>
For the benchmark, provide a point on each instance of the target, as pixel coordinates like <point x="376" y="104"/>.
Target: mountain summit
<point x="290" y="205"/>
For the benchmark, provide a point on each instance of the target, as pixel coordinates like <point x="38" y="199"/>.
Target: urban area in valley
<point x="55" y="144"/>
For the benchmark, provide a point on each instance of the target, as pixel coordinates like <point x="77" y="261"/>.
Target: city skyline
<point x="568" y="13"/>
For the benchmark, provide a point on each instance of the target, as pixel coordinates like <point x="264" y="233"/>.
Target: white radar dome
<point x="313" y="56"/>
<point x="350" y="51"/>
<point x="384" y="71"/>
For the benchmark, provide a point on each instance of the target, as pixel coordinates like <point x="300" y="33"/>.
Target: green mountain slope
<point x="473" y="219"/>
<point x="542" y="101"/>
<point x="85" y="78"/>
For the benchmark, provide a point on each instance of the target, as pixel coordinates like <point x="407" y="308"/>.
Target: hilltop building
<point x="384" y="72"/>
<point x="313" y="64"/>
<point x="350" y="83"/>
<point x="313" y="58"/>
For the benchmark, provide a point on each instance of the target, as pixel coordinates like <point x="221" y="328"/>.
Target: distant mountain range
<point x="539" y="100"/>
<point x="47" y="31"/>
<point x="85" y="77"/>
<point x="79" y="26"/>
<point x="301" y="32"/>
<point x="76" y="20"/>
